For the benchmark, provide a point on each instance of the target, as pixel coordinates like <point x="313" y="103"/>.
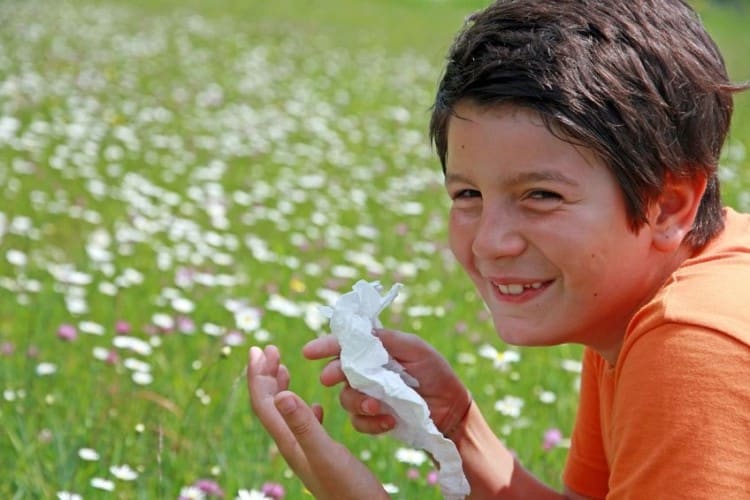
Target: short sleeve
<point x="586" y="471"/>
<point x="681" y="416"/>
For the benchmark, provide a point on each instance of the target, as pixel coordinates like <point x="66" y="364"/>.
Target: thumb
<point x="302" y="422"/>
<point x="405" y="347"/>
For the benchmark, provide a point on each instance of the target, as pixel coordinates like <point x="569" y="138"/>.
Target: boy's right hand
<point x="442" y="390"/>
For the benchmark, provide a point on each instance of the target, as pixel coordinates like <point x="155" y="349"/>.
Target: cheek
<point x="460" y="240"/>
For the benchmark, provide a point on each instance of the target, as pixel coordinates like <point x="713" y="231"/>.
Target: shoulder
<point x="680" y="404"/>
<point x="711" y="290"/>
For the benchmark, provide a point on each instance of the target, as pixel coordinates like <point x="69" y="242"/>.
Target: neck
<point x="610" y="349"/>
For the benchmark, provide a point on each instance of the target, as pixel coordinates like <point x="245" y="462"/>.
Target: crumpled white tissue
<point x="370" y="369"/>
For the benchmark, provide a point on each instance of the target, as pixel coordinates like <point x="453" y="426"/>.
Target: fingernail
<point x="286" y="405"/>
<point x="365" y="408"/>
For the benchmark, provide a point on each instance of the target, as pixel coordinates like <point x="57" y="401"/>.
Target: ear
<point x="672" y="214"/>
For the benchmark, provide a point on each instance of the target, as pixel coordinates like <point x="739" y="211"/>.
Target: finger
<point x="273" y="358"/>
<point x="304" y="426"/>
<point x="263" y="387"/>
<point x="400" y="344"/>
<point x="332" y="373"/>
<point x="256" y="359"/>
<point x="367" y="414"/>
<point x="260" y="382"/>
<point x="318" y="411"/>
<point x="282" y="376"/>
<point x="373" y="425"/>
<point x="358" y="403"/>
<point x="327" y="468"/>
<point x="323" y="347"/>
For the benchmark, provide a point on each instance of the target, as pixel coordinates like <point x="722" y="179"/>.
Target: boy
<point x="580" y="143"/>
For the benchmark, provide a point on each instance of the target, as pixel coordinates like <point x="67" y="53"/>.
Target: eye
<point x="466" y="193"/>
<point x="541" y="194"/>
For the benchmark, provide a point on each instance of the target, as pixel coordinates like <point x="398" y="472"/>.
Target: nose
<point x="498" y="234"/>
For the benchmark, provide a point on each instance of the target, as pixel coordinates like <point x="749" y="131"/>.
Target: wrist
<point x="457" y="416"/>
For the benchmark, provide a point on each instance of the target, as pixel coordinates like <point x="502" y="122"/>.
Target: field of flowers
<point x="180" y="182"/>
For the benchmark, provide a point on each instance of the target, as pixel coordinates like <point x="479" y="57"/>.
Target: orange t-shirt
<point x="672" y="418"/>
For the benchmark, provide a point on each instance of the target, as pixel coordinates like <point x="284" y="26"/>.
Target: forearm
<point x="490" y="467"/>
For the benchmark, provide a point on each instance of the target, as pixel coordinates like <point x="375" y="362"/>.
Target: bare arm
<point x="491" y="468"/>
<point x="326" y="467"/>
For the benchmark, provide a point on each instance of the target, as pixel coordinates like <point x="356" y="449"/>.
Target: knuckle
<point x="301" y="429"/>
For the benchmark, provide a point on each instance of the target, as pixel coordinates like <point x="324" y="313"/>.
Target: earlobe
<point x="673" y="212"/>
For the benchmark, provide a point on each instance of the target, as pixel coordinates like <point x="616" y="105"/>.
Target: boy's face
<point x="540" y="227"/>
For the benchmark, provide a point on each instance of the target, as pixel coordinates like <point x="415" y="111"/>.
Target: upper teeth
<point x="517" y="288"/>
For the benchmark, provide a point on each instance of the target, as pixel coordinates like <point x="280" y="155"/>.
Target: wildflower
<point x="67" y="332"/>
<point x="547" y="397"/>
<point x="91" y="328"/>
<point x="552" y="438"/>
<point x="136" y="365"/>
<point x="123" y="472"/>
<point x="67" y="495"/>
<point x="284" y="306"/>
<point x="106" y="355"/>
<point x="88" y="454"/>
<point x="391" y="489"/>
<point x="209" y="487"/>
<point x="313" y="317"/>
<point x="234" y="338"/>
<point x="183" y="305"/>
<point x="134" y="344"/>
<point x="185" y="324"/>
<point x="433" y="477"/>
<point x="571" y="365"/>
<point x="262" y="335"/>
<point x="16" y="257"/>
<point x="466" y="358"/>
<point x="411" y="456"/>
<point x="7" y="348"/>
<point x="250" y="495"/>
<point x="510" y="406"/>
<point x="297" y="285"/>
<point x="191" y="493"/>
<point x="122" y="327"/>
<point x="102" y="484"/>
<point x="163" y="321"/>
<point x="44" y="436"/>
<point x="43" y="369"/>
<point x="273" y="490"/>
<point x="142" y="378"/>
<point x="412" y="473"/>
<point x="247" y="319"/>
<point x="501" y="360"/>
<point x="213" y="329"/>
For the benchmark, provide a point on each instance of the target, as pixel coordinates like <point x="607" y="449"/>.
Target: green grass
<point x="168" y="138"/>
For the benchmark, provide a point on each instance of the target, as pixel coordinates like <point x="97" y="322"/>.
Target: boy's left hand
<point x="325" y="466"/>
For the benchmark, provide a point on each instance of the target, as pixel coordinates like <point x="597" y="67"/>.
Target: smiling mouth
<point x="518" y="288"/>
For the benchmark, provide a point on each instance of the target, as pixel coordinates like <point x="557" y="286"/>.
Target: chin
<point x="524" y="338"/>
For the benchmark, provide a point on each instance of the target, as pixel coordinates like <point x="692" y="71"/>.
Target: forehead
<point x="473" y="113"/>
<point x="507" y="137"/>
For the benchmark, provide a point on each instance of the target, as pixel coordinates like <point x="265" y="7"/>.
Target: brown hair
<point x="640" y="82"/>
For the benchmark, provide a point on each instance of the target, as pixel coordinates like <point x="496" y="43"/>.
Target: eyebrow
<point x="521" y="178"/>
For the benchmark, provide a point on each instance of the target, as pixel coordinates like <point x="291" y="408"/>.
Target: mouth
<point x="519" y="289"/>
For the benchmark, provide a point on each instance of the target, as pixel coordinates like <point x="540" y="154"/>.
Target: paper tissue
<point x="369" y="369"/>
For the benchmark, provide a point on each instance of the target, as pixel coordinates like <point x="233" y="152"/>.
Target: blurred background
<point x="181" y="180"/>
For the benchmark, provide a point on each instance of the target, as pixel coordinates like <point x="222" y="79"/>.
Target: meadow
<point x="181" y="180"/>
